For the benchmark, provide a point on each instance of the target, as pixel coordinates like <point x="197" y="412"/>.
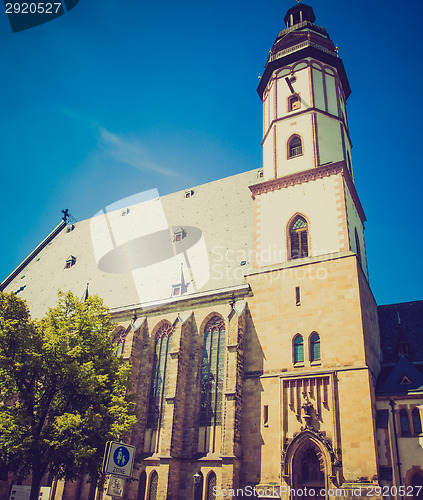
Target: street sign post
<point x="118" y="459"/>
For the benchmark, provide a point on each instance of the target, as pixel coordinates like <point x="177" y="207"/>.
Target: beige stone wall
<point x="339" y="386"/>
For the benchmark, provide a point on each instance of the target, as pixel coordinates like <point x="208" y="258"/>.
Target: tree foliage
<point x="63" y="391"/>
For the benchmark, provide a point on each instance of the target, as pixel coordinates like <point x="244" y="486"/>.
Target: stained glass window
<point x="212" y="373"/>
<point x="154" y="483"/>
<point x="211" y="486"/>
<point x="159" y="375"/>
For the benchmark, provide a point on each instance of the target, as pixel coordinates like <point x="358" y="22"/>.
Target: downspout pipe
<point x="392" y="404"/>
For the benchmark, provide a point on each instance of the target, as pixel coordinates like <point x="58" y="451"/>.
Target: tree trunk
<point x="37" y="476"/>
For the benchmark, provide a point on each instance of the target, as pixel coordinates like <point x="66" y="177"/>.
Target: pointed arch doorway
<point x="309" y="472"/>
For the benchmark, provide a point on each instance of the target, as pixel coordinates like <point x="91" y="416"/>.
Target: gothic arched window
<point x="298" y="349"/>
<point x="212" y="373"/>
<point x="159" y="378"/>
<point x="211" y="486"/>
<point x="298" y="238"/>
<point x="405" y="423"/>
<point x="314" y="347"/>
<point x="141" y="486"/>
<point x="119" y="340"/>
<point x="417" y="423"/>
<point x="295" y="146"/>
<point x="154" y="483"/>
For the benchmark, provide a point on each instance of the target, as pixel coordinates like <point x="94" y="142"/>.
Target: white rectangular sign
<point x="116" y="486"/>
<point x="20" y="492"/>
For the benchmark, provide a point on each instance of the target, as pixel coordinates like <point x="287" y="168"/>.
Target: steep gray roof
<point x="217" y="222"/>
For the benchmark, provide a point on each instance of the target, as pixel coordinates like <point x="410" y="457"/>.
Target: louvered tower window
<point x="298" y="235"/>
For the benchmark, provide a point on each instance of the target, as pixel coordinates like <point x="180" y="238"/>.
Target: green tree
<point x="63" y="391"/>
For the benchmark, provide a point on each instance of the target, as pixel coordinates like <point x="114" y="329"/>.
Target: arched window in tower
<point x="405" y="423"/>
<point x="154" y="483"/>
<point x="357" y="246"/>
<point x="314" y="347"/>
<point x="298" y="237"/>
<point x="212" y="382"/>
<point x="417" y="423"/>
<point x="295" y="146"/>
<point x="158" y="385"/>
<point x="298" y="349"/>
<point x="211" y="486"/>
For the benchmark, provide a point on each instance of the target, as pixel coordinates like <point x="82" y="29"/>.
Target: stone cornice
<point x="308" y="176"/>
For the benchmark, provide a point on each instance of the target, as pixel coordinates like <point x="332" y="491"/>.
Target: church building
<point x="262" y="364"/>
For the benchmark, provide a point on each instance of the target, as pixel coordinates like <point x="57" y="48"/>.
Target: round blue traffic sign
<point x="121" y="456"/>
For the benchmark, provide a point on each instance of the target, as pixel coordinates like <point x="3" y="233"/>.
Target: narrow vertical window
<point x="266" y="416"/>
<point x="154" y="483"/>
<point x="405" y="424"/>
<point x="417" y="423"/>
<point x="295" y="146"/>
<point x="314" y="347"/>
<point x="297" y="296"/>
<point x="298" y="349"/>
<point x="212" y="373"/>
<point x="357" y="246"/>
<point x="211" y="486"/>
<point x="158" y="381"/>
<point x="298" y="238"/>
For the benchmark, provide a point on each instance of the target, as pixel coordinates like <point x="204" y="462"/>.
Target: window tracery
<point x="298" y="238"/>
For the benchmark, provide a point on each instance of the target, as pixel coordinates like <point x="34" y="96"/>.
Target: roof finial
<point x="298" y="1"/>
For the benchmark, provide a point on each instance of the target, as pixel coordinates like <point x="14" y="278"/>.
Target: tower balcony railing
<point x="299" y="46"/>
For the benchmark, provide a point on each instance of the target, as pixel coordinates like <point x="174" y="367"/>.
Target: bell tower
<point x="304" y="90"/>
<point x="315" y="319"/>
<point x="306" y="148"/>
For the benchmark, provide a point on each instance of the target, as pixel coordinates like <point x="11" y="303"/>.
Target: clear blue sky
<point x="117" y="97"/>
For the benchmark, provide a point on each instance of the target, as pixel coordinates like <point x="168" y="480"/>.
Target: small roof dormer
<point x="298" y="14"/>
